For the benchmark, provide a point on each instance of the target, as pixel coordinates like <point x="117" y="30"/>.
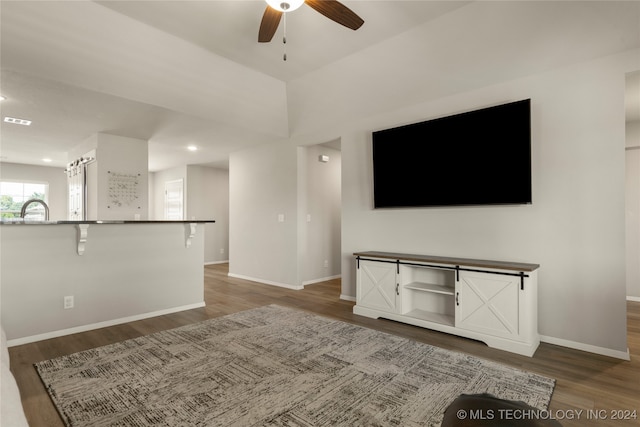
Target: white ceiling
<point x="179" y="72"/>
<point x="230" y="29"/>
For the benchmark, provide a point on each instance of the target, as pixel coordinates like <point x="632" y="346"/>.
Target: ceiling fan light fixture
<point x="285" y="5"/>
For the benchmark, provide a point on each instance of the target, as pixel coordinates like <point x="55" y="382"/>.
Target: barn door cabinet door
<point x="377" y="286"/>
<point x="489" y="304"/>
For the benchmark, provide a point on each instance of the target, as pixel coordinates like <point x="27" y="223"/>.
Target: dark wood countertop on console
<point x="504" y="265"/>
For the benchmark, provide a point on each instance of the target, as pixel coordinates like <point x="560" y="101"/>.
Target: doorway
<point x="320" y="194"/>
<point x="174" y="200"/>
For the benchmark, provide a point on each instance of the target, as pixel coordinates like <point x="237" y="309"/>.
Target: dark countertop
<point x="20" y="221"/>
<point x="451" y="261"/>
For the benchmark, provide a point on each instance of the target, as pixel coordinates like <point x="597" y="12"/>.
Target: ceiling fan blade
<point x="337" y="12"/>
<point x="269" y="24"/>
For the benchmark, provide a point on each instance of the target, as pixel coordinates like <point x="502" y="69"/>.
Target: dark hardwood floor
<point x="585" y="381"/>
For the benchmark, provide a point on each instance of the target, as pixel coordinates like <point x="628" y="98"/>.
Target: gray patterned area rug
<point x="274" y="366"/>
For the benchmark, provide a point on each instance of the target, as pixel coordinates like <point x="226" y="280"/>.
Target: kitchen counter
<point x="64" y="277"/>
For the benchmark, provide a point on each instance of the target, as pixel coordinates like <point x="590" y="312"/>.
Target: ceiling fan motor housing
<point x="285" y="6"/>
<point x="332" y="9"/>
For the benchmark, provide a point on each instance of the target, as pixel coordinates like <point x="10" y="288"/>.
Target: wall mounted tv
<point x="481" y="157"/>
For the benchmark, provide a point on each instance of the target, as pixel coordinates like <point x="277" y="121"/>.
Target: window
<point x="14" y="194"/>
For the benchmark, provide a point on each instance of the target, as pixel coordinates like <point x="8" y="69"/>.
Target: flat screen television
<point x="481" y="157"/>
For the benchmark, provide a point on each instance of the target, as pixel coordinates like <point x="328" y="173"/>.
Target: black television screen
<point x="481" y="157"/>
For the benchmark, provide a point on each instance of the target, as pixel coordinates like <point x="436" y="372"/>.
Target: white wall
<point x="632" y="171"/>
<point x="474" y="46"/>
<point x="116" y="158"/>
<point x="123" y="157"/>
<point x="319" y="214"/>
<point x="575" y="227"/>
<point x="262" y="186"/>
<point x="56" y="178"/>
<point x="208" y="198"/>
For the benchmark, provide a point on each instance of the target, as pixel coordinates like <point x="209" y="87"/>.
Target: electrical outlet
<point x="221" y="250"/>
<point x="68" y="302"/>
<point x="326" y="263"/>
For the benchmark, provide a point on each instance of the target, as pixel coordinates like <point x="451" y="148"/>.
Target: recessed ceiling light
<point x="192" y="148"/>
<point x="47" y="160"/>
<point x="17" y="121"/>
<point x="2" y="98"/>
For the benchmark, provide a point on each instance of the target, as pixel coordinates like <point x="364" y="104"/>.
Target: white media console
<point x="490" y="301"/>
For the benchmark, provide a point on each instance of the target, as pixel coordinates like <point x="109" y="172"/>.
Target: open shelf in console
<point x="430" y="287"/>
<point x="428" y="293"/>
<point x="430" y="316"/>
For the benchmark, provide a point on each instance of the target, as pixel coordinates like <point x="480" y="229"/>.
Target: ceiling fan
<point x="332" y="9"/>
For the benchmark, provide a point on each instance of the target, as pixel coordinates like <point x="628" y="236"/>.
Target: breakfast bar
<point x="63" y="277"/>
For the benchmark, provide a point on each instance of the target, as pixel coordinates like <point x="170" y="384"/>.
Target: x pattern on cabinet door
<point x="379" y="286"/>
<point x="488" y="303"/>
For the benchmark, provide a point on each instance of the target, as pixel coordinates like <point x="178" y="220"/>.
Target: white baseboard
<point x="630" y="298"/>
<point x="347" y="298"/>
<point x="322" y="279"/>
<point x="216" y="262"/>
<point x="266" y="282"/>
<point x="92" y="326"/>
<point x="587" y="347"/>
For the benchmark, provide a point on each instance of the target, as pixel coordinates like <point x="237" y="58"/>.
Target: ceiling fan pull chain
<point x="284" y="37"/>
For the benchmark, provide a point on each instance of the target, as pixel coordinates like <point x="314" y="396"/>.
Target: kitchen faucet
<point x="23" y="211"/>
